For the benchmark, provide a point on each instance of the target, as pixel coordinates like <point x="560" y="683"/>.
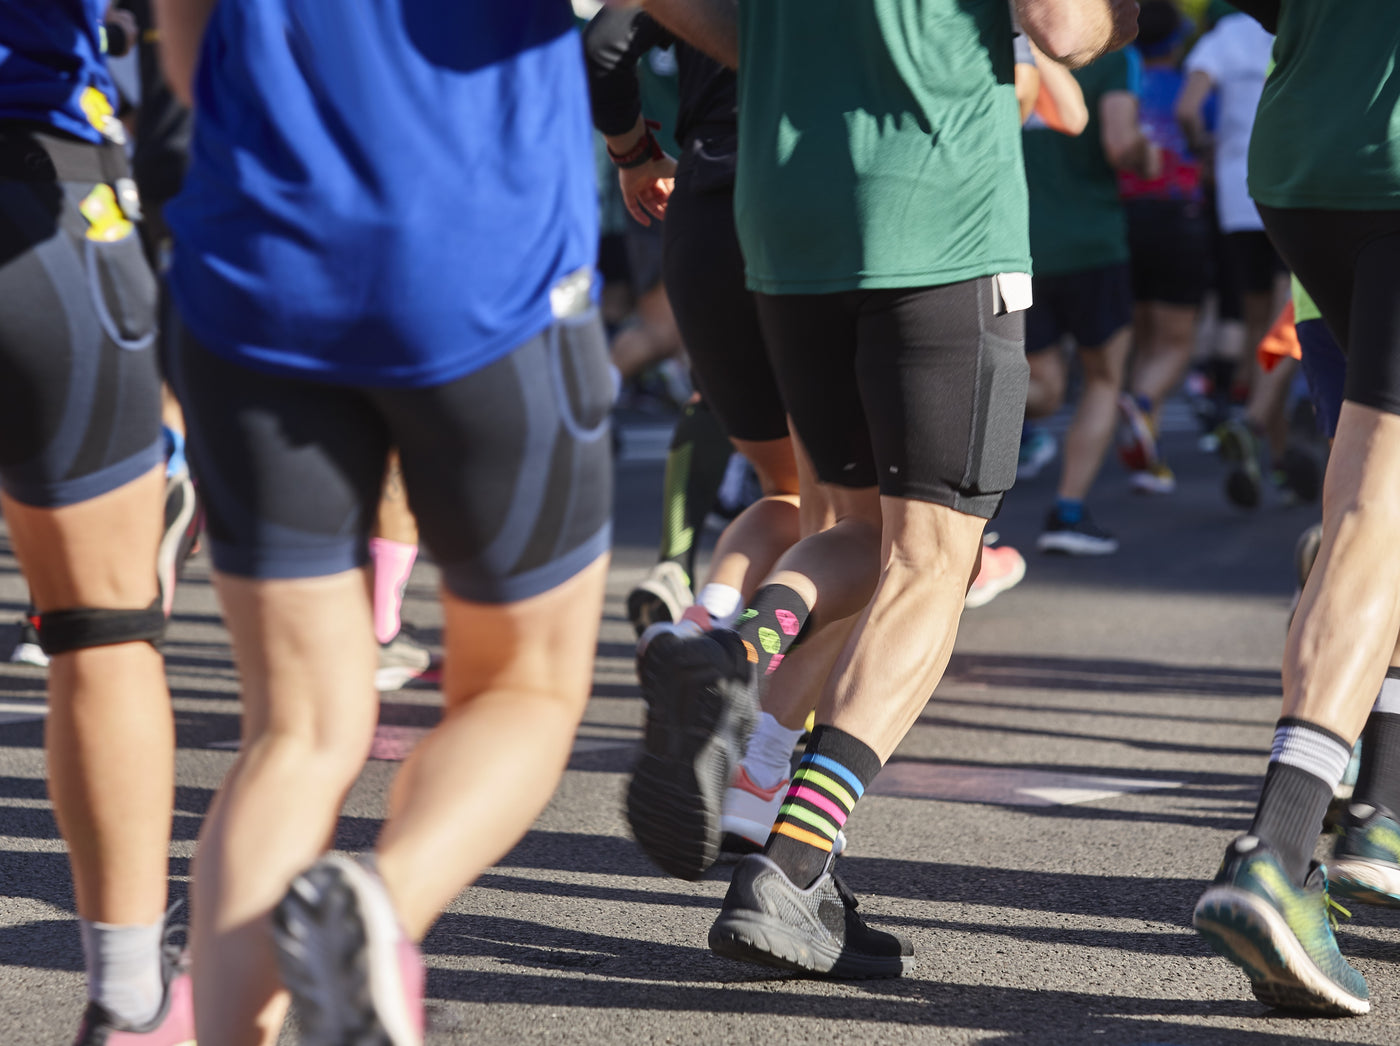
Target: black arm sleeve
<point x="613" y="42"/>
<point x="1265" y="12"/>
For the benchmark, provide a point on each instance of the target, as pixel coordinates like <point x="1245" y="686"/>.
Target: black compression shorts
<point x="716" y="314"/>
<point x="1349" y="261"/>
<point x="508" y="470"/>
<point x="79" y="386"/>
<point x="920" y="392"/>
<point x="1170" y="243"/>
<point x="1090" y="306"/>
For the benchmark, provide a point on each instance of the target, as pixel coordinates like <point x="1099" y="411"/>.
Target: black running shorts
<point x="920" y="392"/>
<point x="1251" y="261"/>
<point x="79" y="387"/>
<point x="508" y="470"/>
<point x="1349" y="261"/>
<point x="716" y="314"/>
<point x="1170" y="245"/>
<point x="1091" y="306"/>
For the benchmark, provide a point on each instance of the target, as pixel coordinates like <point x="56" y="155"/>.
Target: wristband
<point x="645" y="151"/>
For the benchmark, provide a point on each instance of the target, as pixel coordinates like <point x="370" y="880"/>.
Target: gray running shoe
<point x="766" y="919"/>
<point x="661" y="598"/>
<point x="27" y="650"/>
<point x="401" y="660"/>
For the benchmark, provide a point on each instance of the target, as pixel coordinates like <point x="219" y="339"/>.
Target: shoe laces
<point x="844" y="891"/>
<point x="1332" y="909"/>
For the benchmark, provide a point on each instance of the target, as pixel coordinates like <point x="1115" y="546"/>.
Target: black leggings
<point x="1349" y="261"/>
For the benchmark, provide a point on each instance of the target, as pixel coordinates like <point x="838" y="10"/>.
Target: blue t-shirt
<point x="50" y="53"/>
<point x="384" y="199"/>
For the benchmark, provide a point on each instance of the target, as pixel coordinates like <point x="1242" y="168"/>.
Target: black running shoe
<point x="702" y="705"/>
<point x="1240" y="450"/>
<point x="766" y="919"/>
<point x="1083" y="537"/>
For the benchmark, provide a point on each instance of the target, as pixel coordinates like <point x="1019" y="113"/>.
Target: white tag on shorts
<point x="1012" y="292"/>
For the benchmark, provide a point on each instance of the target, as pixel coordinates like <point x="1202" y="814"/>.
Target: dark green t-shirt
<point x="878" y="144"/>
<point x="1328" y="130"/>
<point x="1077" y="219"/>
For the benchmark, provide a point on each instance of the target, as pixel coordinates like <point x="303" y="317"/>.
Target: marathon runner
<point x="383" y="276"/>
<point x="82" y="483"/>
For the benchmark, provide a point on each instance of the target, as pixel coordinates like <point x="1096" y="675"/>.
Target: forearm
<point x="613" y="43"/>
<point x="1065" y="96"/>
<point x="710" y="25"/>
<point x="181" y="24"/>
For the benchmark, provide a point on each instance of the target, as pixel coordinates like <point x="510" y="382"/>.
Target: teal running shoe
<point x="1366" y="864"/>
<point x="1280" y="934"/>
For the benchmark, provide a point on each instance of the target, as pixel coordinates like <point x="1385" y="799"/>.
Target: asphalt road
<point x="1041" y="834"/>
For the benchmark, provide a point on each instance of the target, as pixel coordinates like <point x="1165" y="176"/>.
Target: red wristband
<point x="645" y="151"/>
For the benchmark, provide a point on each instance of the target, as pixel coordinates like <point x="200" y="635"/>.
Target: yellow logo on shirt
<point x="106" y="222"/>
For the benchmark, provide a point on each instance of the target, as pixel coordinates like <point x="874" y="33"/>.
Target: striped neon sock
<point x="834" y="773"/>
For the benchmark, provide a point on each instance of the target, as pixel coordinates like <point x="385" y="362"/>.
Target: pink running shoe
<point x="354" y="974"/>
<point x="1002" y="568"/>
<point x="172" y="1026"/>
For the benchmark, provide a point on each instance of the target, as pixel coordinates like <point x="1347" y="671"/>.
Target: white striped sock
<point x="1389" y="697"/>
<point x="1320" y="754"/>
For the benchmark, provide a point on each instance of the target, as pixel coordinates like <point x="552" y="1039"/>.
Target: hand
<point x="1125" y="23"/>
<point x="647" y="189"/>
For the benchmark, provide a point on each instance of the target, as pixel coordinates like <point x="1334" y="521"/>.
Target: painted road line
<point x="18" y="710"/>
<point x="393" y="743"/>
<point x="1004" y="786"/>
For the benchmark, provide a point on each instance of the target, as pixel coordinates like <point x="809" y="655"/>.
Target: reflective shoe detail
<point x="1083" y="538"/>
<point x="662" y="596"/>
<point x="1038" y="449"/>
<point x="1002" y="569"/>
<point x="1278" y="933"/>
<point x="702" y="705"/>
<point x="1366" y="865"/>
<point x="402" y="660"/>
<point x="766" y="919"/>
<point x="1137" y="443"/>
<point x="1159" y="479"/>
<point x="1240" y="451"/>
<point x="356" y="978"/>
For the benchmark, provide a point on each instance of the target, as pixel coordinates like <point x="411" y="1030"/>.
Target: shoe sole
<point x="396" y="677"/>
<point x="694" y="738"/>
<point x="980" y="597"/>
<point x="1150" y="484"/>
<point x="1249" y="932"/>
<point x="1075" y="545"/>
<point x="352" y="920"/>
<point x="1363" y="881"/>
<point x="754" y="937"/>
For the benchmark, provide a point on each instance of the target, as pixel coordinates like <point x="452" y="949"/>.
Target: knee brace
<point x="62" y="631"/>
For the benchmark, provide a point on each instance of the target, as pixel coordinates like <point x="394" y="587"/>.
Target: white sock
<point x="1311" y="749"/>
<point x="723" y="603"/>
<point x="1389" y="698"/>
<point x="124" y="969"/>
<point x="768" y="758"/>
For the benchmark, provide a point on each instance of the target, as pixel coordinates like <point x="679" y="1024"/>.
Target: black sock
<point x="1378" y="783"/>
<point x="1289" y="816"/>
<point x="695" y="468"/>
<point x="835" y="771"/>
<point x="771" y="624"/>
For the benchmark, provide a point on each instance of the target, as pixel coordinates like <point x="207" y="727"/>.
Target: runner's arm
<point x="1190" y="110"/>
<point x="181" y="24"/>
<point x="710" y="25"/>
<point x="1061" y="101"/>
<point x="1124" y="144"/>
<point x="1075" y="32"/>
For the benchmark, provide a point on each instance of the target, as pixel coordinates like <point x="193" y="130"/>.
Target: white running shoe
<point x="749" y="812"/>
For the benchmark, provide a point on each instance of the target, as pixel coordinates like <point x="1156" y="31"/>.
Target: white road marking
<point x="1004" y="786"/>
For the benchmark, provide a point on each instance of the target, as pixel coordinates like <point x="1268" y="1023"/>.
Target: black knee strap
<point x="61" y="631"/>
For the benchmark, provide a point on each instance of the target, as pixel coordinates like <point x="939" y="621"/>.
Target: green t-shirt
<point x="1077" y="219"/>
<point x="878" y="144"/>
<point x="1328" y="130"/>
